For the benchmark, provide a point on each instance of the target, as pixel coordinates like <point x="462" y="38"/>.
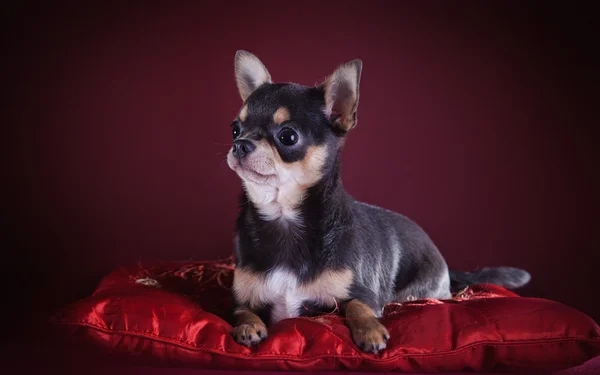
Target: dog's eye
<point x="288" y="137"/>
<point x="235" y="131"/>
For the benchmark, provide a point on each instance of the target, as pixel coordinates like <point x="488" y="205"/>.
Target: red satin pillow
<point x="170" y="312"/>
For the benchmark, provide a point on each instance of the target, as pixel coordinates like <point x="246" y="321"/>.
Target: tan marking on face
<point x="306" y="172"/>
<point x="243" y="113"/>
<point x="281" y="193"/>
<point x="282" y="289"/>
<point x="299" y="177"/>
<point x="281" y="115"/>
<point x="312" y="165"/>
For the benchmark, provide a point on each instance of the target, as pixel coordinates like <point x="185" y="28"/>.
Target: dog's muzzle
<point x="242" y="147"/>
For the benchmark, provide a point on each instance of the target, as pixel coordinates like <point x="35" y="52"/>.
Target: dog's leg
<point x="367" y="332"/>
<point x="249" y="328"/>
<point x="429" y="282"/>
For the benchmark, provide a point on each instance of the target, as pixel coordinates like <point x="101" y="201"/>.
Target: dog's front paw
<point x="249" y="334"/>
<point x="371" y="336"/>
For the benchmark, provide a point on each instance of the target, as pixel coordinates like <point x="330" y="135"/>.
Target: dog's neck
<point x="281" y="203"/>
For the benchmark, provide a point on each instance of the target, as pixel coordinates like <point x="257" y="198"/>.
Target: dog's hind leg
<point x="419" y="288"/>
<point x="427" y="281"/>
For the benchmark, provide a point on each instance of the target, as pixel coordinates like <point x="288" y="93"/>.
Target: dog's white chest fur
<point x="282" y="290"/>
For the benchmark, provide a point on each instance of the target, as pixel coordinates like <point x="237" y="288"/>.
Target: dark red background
<point x="475" y="121"/>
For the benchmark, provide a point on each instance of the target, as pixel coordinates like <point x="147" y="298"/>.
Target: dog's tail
<point x="507" y="277"/>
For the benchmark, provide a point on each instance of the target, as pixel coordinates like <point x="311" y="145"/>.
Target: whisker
<point x="246" y="202"/>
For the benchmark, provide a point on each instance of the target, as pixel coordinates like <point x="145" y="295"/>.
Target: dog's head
<point x="287" y="137"/>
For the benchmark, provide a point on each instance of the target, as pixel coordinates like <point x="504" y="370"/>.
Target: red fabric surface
<point x="179" y="321"/>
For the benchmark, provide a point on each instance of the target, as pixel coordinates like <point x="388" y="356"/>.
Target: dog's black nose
<point x="242" y="147"/>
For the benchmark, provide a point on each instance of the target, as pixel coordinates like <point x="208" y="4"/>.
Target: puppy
<point x="303" y="245"/>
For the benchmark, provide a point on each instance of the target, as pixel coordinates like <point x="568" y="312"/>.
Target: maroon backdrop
<point x="475" y="121"/>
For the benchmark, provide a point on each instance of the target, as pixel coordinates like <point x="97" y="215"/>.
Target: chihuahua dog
<point x="305" y="246"/>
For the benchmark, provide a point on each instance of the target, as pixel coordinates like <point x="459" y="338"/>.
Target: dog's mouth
<point x="254" y="176"/>
<point x="247" y="173"/>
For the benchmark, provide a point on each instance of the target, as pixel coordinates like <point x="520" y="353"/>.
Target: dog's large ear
<point x="341" y="95"/>
<point x="250" y="73"/>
